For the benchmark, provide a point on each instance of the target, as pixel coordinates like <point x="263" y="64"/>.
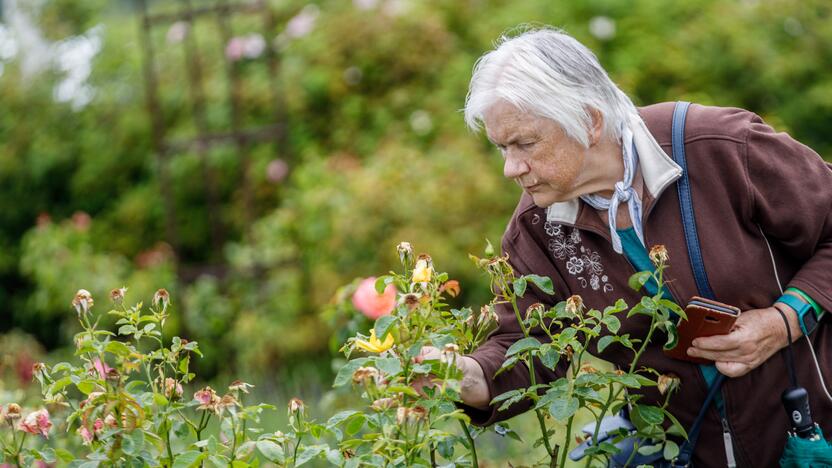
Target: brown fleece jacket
<point x="743" y="175"/>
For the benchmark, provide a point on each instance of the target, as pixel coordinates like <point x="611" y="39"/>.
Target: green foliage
<point x="376" y="148"/>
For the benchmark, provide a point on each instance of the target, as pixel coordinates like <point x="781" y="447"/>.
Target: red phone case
<point x="702" y="321"/>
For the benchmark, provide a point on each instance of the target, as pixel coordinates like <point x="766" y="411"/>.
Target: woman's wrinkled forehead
<point x="503" y="121"/>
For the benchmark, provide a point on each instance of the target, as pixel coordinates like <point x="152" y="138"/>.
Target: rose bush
<point x="127" y="401"/>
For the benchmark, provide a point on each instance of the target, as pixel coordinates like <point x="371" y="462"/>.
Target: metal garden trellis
<point x="237" y="135"/>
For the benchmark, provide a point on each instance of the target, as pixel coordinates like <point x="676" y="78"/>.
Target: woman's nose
<point x="514" y="167"/>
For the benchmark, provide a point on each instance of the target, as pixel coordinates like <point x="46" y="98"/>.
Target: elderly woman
<point x="599" y="187"/>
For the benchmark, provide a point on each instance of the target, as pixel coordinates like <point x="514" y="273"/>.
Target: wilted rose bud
<point x="36" y="423"/>
<point x="574" y="304"/>
<point x="208" y="399"/>
<point x="535" y="310"/>
<point x="38" y="367"/>
<point x="405" y="253"/>
<point x="113" y="376"/>
<point x="82" y="302"/>
<point x="98" y="426"/>
<point x="161" y="299"/>
<point x="239" y="386"/>
<point x="384" y="403"/>
<point x="668" y="383"/>
<point x="586" y="368"/>
<point x="658" y="255"/>
<point x="12" y="412"/>
<point x="449" y="353"/>
<point x="451" y="287"/>
<point x="86" y="435"/>
<point x="401" y="415"/>
<point x="365" y="375"/>
<point x="117" y="295"/>
<point x="296" y="406"/>
<point x="228" y="401"/>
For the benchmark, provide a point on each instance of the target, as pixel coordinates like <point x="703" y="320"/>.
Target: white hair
<point x="550" y="74"/>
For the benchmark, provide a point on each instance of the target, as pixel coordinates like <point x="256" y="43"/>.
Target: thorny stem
<point x="467" y="430"/>
<point x="540" y="419"/>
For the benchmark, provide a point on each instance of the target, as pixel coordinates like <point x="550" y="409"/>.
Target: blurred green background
<point x="371" y="150"/>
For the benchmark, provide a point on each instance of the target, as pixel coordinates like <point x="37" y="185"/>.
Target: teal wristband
<point x="805" y="312"/>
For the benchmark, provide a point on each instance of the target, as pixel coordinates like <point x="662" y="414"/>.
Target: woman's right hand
<point x="474" y="388"/>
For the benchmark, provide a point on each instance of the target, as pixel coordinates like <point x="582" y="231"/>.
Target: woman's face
<point x="538" y="155"/>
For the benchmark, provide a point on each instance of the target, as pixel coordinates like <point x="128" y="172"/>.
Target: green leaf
<point x="383" y="324"/>
<point x="549" y="356"/>
<point x="520" y="286"/>
<point x="189" y="459"/>
<point x="522" y="345"/>
<point x="59" y="385"/>
<point x="507" y="365"/>
<point x="605" y="341"/>
<point x="382" y="282"/>
<point x="64" y="455"/>
<point x="271" y="451"/>
<point x="126" y="330"/>
<point x="308" y="453"/>
<point x="354" y="423"/>
<point x="86" y="386"/>
<point x="133" y="442"/>
<point x="649" y="304"/>
<point x="671" y="450"/>
<point x="160" y="399"/>
<point x="563" y="407"/>
<point x="506" y="396"/>
<point x="638" y="280"/>
<point x="544" y="283"/>
<point x="672" y="336"/>
<point x="612" y="323"/>
<point x="649" y="449"/>
<point x="118" y="348"/>
<point x="673" y="307"/>
<point x="649" y="414"/>
<point x="338" y="417"/>
<point x="390" y="366"/>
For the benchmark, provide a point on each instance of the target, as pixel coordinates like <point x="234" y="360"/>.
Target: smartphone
<point x="705" y="318"/>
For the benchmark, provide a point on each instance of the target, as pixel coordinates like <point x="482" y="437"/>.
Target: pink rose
<point x="85" y="434"/>
<point x="101" y="368"/>
<point x="372" y="304"/>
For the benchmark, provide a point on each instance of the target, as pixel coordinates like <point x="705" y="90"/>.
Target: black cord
<point x="789" y="356"/>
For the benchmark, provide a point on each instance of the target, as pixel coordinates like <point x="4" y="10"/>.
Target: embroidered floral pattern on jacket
<point x="582" y="263"/>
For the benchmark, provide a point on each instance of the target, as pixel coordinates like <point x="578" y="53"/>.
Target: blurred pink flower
<point x="177" y="32"/>
<point x="303" y="23"/>
<point x="235" y="49"/>
<point x="372" y="304"/>
<point x="98" y="425"/>
<point x="81" y="220"/>
<point x="101" y="367"/>
<point x="277" y="170"/>
<point x="36" y="423"/>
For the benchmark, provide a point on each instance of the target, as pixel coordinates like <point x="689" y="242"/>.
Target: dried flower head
<point x="38" y="367"/>
<point x="228" y="402"/>
<point x="36" y="422"/>
<point x="208" y="400"/>
<point x="411" y="300"/>
<point x="449" y="354"/>
<point x="409" y="415"/>
<point x="239" y="386"/>
<point x="574" y="304"/>
<point x="658" y="255"/>
<point x="82" y="302"/>
<point x="98" y="426"/>
<point x="588" y="369"/>
<point x="117" y="295"/>
<point x="366" y="375"/>
<point x="161" y="299"/>
<point x="405" y="251"/>
<point x="111" y="421"/>
<point x="173" y="389"/>
<point x="668" y="383"/>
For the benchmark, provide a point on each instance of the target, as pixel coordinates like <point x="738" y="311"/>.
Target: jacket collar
<point x="657" y="168"/>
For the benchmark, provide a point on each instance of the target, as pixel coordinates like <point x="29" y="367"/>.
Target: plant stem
<point x="474" y="461"/>
<point x="432" y="455"/>
<point x="295" y="452"/>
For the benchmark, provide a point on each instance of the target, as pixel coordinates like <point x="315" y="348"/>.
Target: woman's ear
<point x="597" y="128"/>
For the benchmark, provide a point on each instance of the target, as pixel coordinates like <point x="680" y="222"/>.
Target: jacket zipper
<point x="729" y="443"/>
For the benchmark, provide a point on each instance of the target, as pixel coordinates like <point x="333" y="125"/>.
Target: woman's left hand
<point x="756" y="336"/>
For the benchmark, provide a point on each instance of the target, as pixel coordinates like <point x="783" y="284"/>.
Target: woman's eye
<point x="526" y="144"/>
